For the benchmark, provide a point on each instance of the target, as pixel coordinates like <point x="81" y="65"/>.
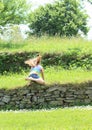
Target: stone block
<point x="88" y="92"/>
<point x="6" y="99"/>
<point x="56" y="103"/>
<point x="51" y="89"/>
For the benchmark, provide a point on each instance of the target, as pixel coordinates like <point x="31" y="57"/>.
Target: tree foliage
<point x="12" y="11"/>
<point x="64" y="18"/>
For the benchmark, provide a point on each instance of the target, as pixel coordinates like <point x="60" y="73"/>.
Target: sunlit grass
<point x="12" y="80"/>
<point x="47" y="44"/>
<point x="57" y="75"/>
<point x="52" y="75"/>
<point x="57" y="119"/>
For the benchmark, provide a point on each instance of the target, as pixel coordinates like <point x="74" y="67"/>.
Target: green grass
<point x="58" y="75"/>
<point x="47" y="44"/>
<point x="59" y="119"/>
<point x="12" y="80"/>
<point x="52" y="75"/>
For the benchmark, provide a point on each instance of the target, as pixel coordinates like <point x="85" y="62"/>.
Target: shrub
<point x="72" y="59"/>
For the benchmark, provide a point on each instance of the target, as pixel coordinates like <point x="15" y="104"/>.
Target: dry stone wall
<point x="36" y="96"/>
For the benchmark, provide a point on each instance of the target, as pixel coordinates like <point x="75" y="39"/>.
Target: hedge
<point x="14" y="62"/>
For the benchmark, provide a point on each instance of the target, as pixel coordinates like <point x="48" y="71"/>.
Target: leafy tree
<point x="13" y="11"/>
<point x="64" y="18"/>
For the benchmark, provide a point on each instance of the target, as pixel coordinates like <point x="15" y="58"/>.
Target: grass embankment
<point x="52" y="75"/>
<point x="47" y="45"/>
<point x="59" y="119"/>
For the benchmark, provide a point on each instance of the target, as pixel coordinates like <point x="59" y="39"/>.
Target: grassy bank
<point x="60" y="119"/>
<point x="47" y="44"/>
<point x="52" y="75"/>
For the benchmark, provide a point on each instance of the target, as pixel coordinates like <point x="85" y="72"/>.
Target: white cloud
<point x="41" y="2"/>
<point x="36" y="3"/>
<point x="88" y="8"/>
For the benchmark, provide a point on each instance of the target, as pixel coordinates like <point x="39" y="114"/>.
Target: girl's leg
<point x="30" y="78"/>
<point x="39" y="80"/>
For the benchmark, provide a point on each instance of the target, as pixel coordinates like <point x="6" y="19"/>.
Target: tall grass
<point x="60" y="119"/>
<point x="52" y="75"/>
<point x="47" y="44"/>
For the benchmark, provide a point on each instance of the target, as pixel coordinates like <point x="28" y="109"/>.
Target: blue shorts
<point x="35" y="76"/>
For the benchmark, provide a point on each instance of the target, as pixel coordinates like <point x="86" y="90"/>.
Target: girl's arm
<point x="42" y="73"/>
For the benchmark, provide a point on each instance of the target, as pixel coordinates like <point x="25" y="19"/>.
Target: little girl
<point x="36" y="70"/>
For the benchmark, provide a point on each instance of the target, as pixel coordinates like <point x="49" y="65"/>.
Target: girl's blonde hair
<point x="34" y="61"/>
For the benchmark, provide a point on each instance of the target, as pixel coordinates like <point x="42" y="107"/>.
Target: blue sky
<point x="88" y="7"/>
